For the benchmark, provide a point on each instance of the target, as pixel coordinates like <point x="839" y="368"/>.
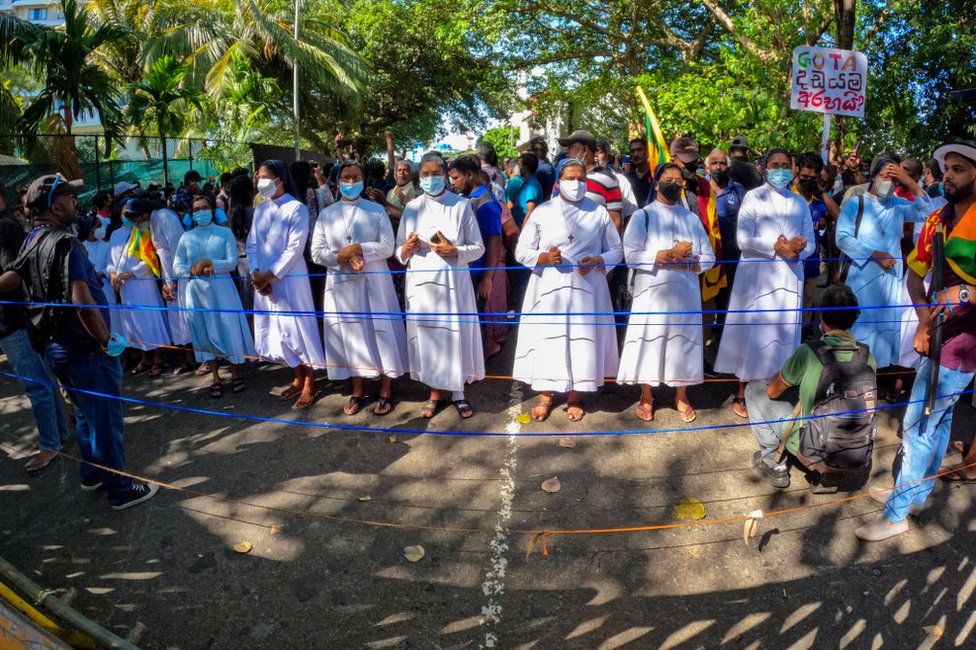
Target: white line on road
<point x="493" y="586"/>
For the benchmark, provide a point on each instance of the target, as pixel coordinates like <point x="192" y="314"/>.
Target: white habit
<point x="98" y="254"/>
<point x="756" y="343"/>
<point x="664" y="348"/>
<point x="222" y="330"/>
<point x="145" y="329"/>
<point x="277" y="243"/>
<point x="166" y="231"/>
<point x="557" y="349"/>
<point x="445" y="350"/>
<point x="358" y="344"/>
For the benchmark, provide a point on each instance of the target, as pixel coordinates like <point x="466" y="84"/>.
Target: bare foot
<point x="574" y="412"/>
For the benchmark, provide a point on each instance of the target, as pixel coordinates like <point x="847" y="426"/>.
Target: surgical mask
<point x="202" y="217"/>
<point x="99" y="233"/>
<point x="884" y="189"/>
<point x="128" y="223"/>
<point x="432" y="185"/>
<point x="572" y="190"/>
<point x="351" y="190"/>
<point x="670" y="191"/>
<point x="267" y="187"/>
<point x="779" y="178"/>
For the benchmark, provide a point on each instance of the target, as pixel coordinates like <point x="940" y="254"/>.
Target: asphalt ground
<point x="329" y="512"/>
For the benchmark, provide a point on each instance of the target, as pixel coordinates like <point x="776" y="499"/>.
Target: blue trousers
<point x="924" y="439"/>
<point x="99" y="419"/>
<point x="41" y="389"/>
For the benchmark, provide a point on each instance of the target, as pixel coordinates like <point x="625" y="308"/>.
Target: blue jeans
<point x="924" y="439"/>
<point x="41" y="389"/>
<point x="763" y="412"/>
<point x="99" y="420"/>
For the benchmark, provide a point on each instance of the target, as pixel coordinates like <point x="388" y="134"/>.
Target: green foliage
<point x="504" y="139"/>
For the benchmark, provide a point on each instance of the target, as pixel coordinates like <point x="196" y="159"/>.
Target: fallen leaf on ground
<point x="391" y="439"/>
<point x="688" y="509"/>
<point x="276" y="529"/>
<point x="365" y="497"/>
<point x="551" y="485"/>
<point x="413" y="553"/>
<point x="567" y="442"/>
<point x="933" y="630"/>
<point x="243" y="547"/>
<point x="523" y="418"/>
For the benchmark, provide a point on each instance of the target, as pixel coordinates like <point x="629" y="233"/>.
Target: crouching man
<point x="831" y="429"/>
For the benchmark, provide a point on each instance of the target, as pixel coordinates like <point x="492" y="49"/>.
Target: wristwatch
<point x="964" y="295"/>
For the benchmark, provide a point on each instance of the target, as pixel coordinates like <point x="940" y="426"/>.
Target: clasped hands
<point x="554" y="257"/>
<point x="789" y="248"/>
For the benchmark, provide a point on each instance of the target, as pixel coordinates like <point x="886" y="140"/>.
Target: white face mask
<point x="572" y="190"/>
<point x="267" y="187"/>
<point x="883" y="189"/>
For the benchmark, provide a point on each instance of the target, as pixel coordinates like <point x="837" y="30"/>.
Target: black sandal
<point x="463" y="408"/>
<point x="237" y="385"/>
<point x="383" y="406"/>
<point x="216" y="390"/>
<point x="429" y="409"/>
<point x="355" y="404"/>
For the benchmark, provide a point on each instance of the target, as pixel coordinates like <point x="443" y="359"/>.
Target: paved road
<point x="312" y="580"/>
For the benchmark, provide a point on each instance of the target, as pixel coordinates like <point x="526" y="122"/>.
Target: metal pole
<point x="98" y="171"/>
<point x="294" y="92"/>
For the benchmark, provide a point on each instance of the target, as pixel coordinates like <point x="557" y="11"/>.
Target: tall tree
<point x="162" y="102"/>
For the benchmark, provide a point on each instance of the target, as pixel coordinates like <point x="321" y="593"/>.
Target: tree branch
<point x="726" y="23"/>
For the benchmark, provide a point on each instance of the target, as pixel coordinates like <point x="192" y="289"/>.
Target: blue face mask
<point x="432" y="185"/>
<point x="779" y="178"/>
<point x="202" y="217"/>
<point x="351" y="191"/>
<point x="128" y="223"/>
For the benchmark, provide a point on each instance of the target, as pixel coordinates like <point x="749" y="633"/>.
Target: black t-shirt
<point x="73" y="341"/>
<point x="641" y="184"/>
<point x="12" y="236"/>
<point x="744" y="173"/>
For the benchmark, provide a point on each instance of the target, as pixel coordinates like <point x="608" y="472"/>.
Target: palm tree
<point x="74" y="84"/>
<point x="15" y="34"/>
<point x="162" y="101"/>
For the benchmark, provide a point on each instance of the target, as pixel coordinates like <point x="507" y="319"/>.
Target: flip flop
<point x="429" y="409"/>
<point x="237" y="385"/>
<point x="740" y="401"/>
<point x="298" y="406"/>
<point x="216" y="390"/>
<point x="645" y="412"/>
<point x="958" y="478"/>
<point x="688" y="415"/>
<point x="290" y="392"/>
<point x="156" y="370"/>
<point x="354" y="405"/>
<point x="383" y="406"/>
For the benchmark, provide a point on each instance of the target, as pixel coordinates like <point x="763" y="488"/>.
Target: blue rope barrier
<point x="469" y="434"/>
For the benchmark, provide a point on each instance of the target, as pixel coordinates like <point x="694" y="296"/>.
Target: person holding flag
<point x="133" y="269"/>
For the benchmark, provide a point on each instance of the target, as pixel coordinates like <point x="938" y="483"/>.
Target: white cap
<point x="965" y="148"/>
<point x="124" y="186"/>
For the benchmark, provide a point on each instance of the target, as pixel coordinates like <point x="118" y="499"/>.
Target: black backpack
<point x="839" y="436"/>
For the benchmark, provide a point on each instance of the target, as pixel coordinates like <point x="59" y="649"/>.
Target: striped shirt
<point x="603" y="187"/>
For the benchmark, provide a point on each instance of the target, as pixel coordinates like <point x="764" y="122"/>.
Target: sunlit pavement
<point x="323" y="572"/>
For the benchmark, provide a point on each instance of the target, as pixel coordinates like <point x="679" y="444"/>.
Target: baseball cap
<point x="965" y="148"/>
<point x="685" y="149"/>
<point x="124" y="186"/>
<point x="43" y="190"/>
<point x="581" y="136"/>
<point x="739" y="142"/>
<point x="137" y="206"/>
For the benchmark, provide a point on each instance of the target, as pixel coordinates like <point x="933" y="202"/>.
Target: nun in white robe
<point x="217" y="326"/>
<point x="567" y="338"/>
<point x="276" y="243"/>
<point x="357" y="343"/>
<point x="167" y="230"/>
<point x="144" y="328"/>
<point x="664" y="347"/>
<point x="443" y="336"/>
<point x="763" y="326"/>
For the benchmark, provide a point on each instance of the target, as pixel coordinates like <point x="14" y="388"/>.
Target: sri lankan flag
<point x="657" y="146"/>
<point x="960" y="245"/>
<point x="714" y="279"/>
<point x="141" y="248"/>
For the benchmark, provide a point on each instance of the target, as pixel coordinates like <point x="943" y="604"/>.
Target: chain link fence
<point x="102" y="164"/>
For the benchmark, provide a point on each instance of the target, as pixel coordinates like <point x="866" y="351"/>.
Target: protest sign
<point x="827" y="80"/>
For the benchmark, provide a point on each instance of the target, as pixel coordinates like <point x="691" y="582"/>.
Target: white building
<point x="40" y="12"/>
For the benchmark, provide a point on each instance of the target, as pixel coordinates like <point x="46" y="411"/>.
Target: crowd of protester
<point x="715" y="263"/>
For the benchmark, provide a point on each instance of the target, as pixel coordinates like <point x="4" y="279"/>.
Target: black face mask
<point x="810" y="185"/>
<point x="670" y="191"/>
<point x="721" y="177"/>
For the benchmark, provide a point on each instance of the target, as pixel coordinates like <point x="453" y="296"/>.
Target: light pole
<point x="294" y="91"/>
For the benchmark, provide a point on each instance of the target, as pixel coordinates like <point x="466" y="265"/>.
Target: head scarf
<point x="563" y="164"/>
<point x="772" y="152"/>
<point x="280" y="170"/>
